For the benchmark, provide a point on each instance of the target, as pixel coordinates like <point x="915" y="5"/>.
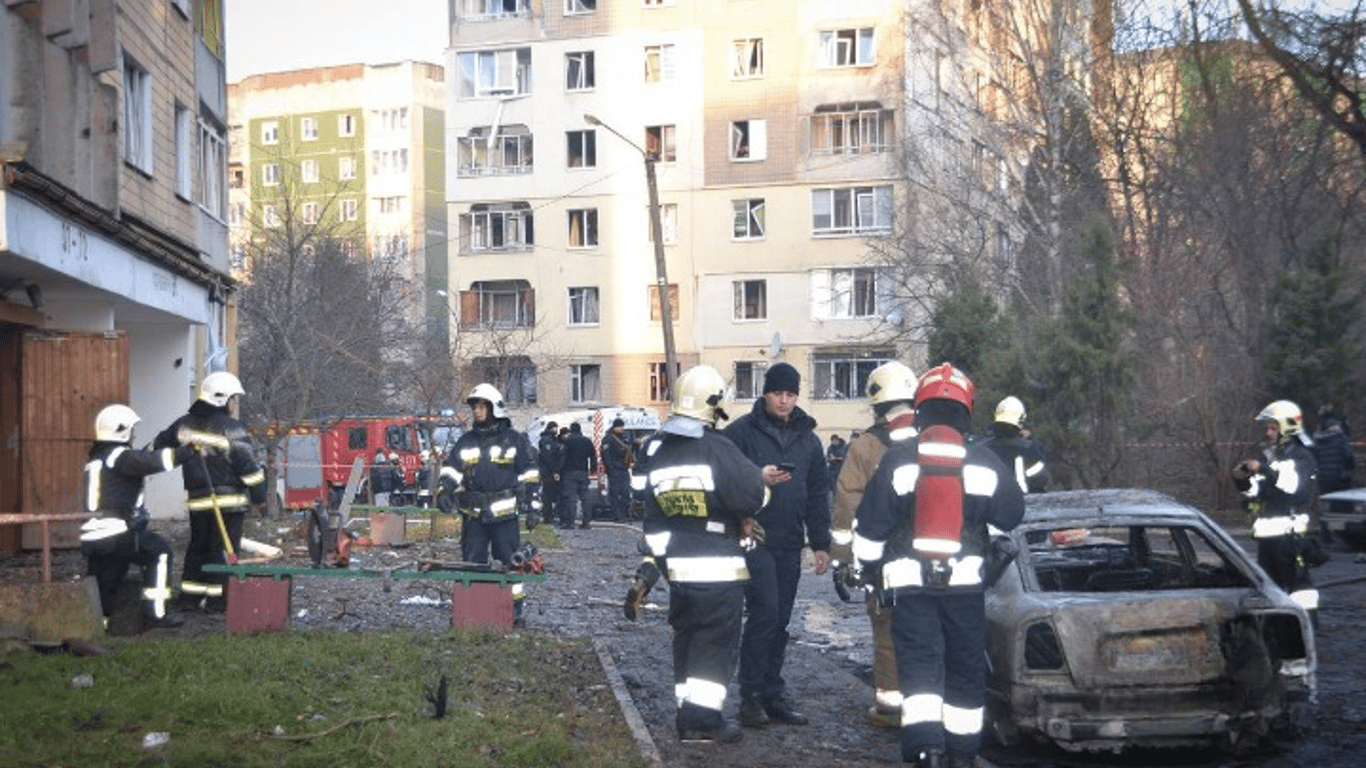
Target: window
<point x="583" y="306"/>
<point x="585" y="383"/>
<point x="848" y="293"/>
<point x="389" y="161"/>
<point x="850" y="129"/>
<point x="749" y="380"/>
<point x="659" y="382"/>
<point x="513" y="375"/>
<point x="392" y="247"/>
<point x="656" y="3"/>
<point x="308" y="170"/>
<point x="572" y="7"/>
<point x="392" y="120"/>
<point x="270" y="132"/>
<point x="209" y="24"/>
<point x="751" y="299"/>
<point x="583" y="228"/>
<point x="659" y="63"/>
<point x="578" y="71"/>
<point x="507" y="153"/>
<point x="583" y="149"/>
<point x="493" y="304"/>
<point x="308" y="128"/>
<point x="137" y="116"/>
<point x="310" y="213"/>
<point x="488" y="74"/>
<point x="488" y="10"/>
<point x="270" y="216"/>
<point x="213" y="159"/>
<point x="668" y="221"/>
<point x="270" y="174"/>
<point x="851" y="210"/>
<point x="673" y="302"/>
<point x="846" y="47"/>
<point x="184" y="153"/>
<point x="496" y="227"/>
<point x="346" y="167"/>
<point x="748" y="140"/>
<point x="393" y="205"/>
<point x="748" y="218"/>
<point x="843" y="375"/>
<point x="747" y="58"/>
<point x="346" y="125"/>
<point x="660" y="143"/>
<point x="350" y="210"/>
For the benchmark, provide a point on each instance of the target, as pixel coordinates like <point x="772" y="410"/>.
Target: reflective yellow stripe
<point x="255" y="478"/>
<point x="707" y="569"/>
<point x="230" y="500"/>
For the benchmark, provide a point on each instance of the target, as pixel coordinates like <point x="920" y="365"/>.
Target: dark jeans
<point x="574" y="487"/>
<point x="619" y="493"/>
<point x="940" y="642"/>
<point x="769" y="596"/>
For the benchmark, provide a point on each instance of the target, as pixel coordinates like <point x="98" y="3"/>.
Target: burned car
<point x="1130" y="620"/>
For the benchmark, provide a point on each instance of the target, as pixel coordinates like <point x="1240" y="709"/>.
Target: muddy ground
<point x="827" y="667"/>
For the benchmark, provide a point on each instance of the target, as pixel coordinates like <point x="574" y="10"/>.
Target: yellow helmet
<point x="1010" y="411"/>
<point x="891" y="382"/>
<point x="1285" y="414"/>
<point x="700" y="394"/>
<point x="114" y="424"/>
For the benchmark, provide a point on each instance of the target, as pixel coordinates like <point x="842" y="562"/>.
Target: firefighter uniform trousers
<point x="934" y="632"/>
<point x="151" y="553"/>
<point x="205" y="548"/>
<point x="706" y="622"/>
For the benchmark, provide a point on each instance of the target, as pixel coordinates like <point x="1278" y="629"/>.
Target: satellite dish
<point x="895" y="317"/>
<point x="775" y="347"/>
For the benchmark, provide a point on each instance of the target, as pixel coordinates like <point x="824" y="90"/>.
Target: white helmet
<point x="218" y="388"/>
<point x="1010" y="411"/>
<point x="1286" y="416"/>
<point x="489" y="393"/>
<point x="700" y="394"/>
<point x="114" y="424"/>
<point x="891" y="382"/>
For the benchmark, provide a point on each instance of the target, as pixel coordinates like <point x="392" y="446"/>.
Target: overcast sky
<point x="279" y="35"/>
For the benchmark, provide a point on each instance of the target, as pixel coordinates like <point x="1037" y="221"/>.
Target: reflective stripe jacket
<point x="698" y="488"/>
<point x="1021" y="455"/>
<point x="1283" y="487"/>
<point x="799" y="511"/>
<point x="860" y="462"/>
<point x="492" y="457"/>
<point x="235" y="477"/>
<point x="885" y="522"/>
<point x="115" y="472"/>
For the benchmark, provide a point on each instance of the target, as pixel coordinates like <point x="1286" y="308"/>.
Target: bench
<point x="259" y="595"/>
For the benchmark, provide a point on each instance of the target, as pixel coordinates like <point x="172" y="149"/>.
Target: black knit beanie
<point x="782" y="378"/>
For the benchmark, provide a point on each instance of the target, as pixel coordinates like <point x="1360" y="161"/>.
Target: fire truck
<point x="315" y="459"/>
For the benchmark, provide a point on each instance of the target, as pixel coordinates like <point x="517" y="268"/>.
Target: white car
<point x="1129" y="619"/>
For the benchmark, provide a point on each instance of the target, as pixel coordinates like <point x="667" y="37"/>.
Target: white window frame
<point x="580" y="71"/>
<point x="851" y="129"/>
<point x="668" y="221"/>
<point x="270" y="175"/>
<point x="660" y="63"/>
<point x="585" y="306"/>
<point x="749" y="300"/>
<point x="270" y="215"/>
<point x="309" y="172"/>
<point x="662" y="142"/>
<point x="844" y="375"/>
<point x="213" y="164"/>
<point x="749" y="379"/>
<point x="346" y="167"/>
<point x="138" y="133"/>
<point x="508" y="153"/>
<point x="308" y="128"/>
<point x="270" y="132"/>
<point x="349" y="210"/>
<point x="748" y="219"/>
<point x="844" y="211"/>
<point x="747" y="58"/>
<point x="848" y="293"/>
<point x="659" y="381"/>
<point x="346" y="125"/>
<point x="497" y="227"/>
<point x="585" y="383"/>
<point x="492" y="10"/>
<point x="583" y="228"/>
<point x="308" y="212"/>
<point x="580" y="7"/>
<point x="748" y="140"/>
<point x="849" y="47"/>
<point x="587" y="146"/>
<point x="184" y="153"/>
<point x="493" y="73"/>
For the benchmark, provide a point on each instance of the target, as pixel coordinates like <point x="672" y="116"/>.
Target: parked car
<point x="1129" y="620"/>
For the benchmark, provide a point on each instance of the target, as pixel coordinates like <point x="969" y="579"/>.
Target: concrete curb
<point x="644" y="741"/>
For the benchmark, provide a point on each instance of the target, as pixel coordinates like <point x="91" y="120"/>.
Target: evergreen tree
<point x="1309" y="349"/>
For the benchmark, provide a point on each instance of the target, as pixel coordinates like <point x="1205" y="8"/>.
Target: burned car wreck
<point x="1131" y="620"/>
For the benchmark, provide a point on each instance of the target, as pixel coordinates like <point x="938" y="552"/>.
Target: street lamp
<point x="661" y="269"/>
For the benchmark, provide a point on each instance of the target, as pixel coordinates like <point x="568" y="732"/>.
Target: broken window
<point x="748" y="140"/>
<point x="846" y="47"/>
<point x="578" y="69"/>
<point x="1128" y="558"/>
<point x="747" y="58"/>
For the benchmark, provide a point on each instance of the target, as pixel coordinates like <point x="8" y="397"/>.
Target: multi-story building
<point x="114" y="276"/>
<point x="357" y="151"/>
<point x="772" y="126"/>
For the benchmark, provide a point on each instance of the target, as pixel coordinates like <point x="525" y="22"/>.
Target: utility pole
<point x="666" y="319"/>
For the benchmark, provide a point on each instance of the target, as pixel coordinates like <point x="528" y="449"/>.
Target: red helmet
<point x="944" y="382"/>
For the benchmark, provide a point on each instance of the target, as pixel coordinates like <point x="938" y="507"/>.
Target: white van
<point x="597" y="422"/>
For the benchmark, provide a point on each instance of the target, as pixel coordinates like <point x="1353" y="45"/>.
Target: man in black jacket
<point x="780" y="438"/>
<point x="580" y="460"/>
<point x="549" y="457"/>
<point x="617" y="454"/>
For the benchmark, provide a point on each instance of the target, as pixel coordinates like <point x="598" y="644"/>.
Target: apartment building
<point x="114" y="275"/>
<point x="773" y="126"/>
<point x="357" y="150"/>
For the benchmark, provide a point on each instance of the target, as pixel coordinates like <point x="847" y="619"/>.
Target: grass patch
<point x="318" y="698"/>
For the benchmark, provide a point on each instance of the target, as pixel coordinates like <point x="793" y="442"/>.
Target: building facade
<point x="114" y="273"/>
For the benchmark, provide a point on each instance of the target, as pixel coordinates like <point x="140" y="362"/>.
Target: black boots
<point x="697" y="724"/>
<point x="757" y="711"/>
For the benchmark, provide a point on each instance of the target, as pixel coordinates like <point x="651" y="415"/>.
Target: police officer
<point x="922" y="531"/>
<point x="222" y="485"/>
<point x="891" y="393"/>
<point x="491" y="476"/>
<point x="1278" y="487"/>
<point x="1021" y="454"/>
<point x="114" y="478"/>
<point x="579" y="460"/>
<point x="701" y="494"/>
<point x="549" y="457"/>
<point x="617" y="455"/>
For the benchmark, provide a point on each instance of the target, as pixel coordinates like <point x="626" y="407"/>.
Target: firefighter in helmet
<point x="891" y="393"/>
<point x="221" y="485"/>
<point x="1021" y="454"/>
<point x="923" y="529"/>
<point x="701" y="494"/>
<point x="490" y="477"/>
<point x="114" y="477"/>
<point x="1278" y="486"/>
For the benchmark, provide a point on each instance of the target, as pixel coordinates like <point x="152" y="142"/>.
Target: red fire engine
<point x="315" y="459"/>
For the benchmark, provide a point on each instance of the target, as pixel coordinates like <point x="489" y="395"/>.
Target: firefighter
<point x="891" y="393"/>
<point x="221" y="486"/>
<point x="114" y="477"/>
<point x="491" y="476"/>
<point x="922" y="533"/>
<point x="1278" y="488"/>
<point x="381" y="480"/>
<point x="701" y="494"/>
<point x="1021" y="454"/>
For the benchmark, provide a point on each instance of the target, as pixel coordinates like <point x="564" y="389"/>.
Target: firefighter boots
<point x="697" y="724"/>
